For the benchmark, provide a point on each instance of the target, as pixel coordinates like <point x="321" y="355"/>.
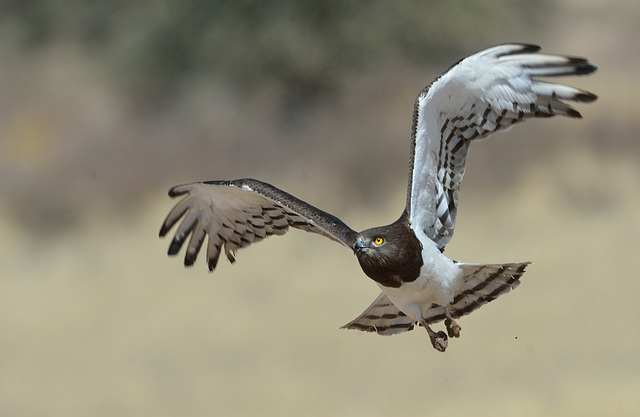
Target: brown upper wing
<point x="237" y="213"/>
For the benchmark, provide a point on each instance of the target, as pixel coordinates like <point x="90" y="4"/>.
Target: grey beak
<point x="359" y="246"/>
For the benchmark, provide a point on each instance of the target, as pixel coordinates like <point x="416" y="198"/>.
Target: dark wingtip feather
<point x="164" y="230"/>
<point x="585" y="97"/>
<point x="194" y="248"/>
<point x="574" y="114"/>
<point x="521" y="48"/>
<point x="173" y="192"/>
<point x="231" y="255"/>
<point x="530" y="47"/>
<point x="212" y="263"/>
<point x="582" y="66"/>
<point x="174" y="247"/>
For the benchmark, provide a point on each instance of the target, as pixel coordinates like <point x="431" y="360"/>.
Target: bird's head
<point x="373" y="243"/>
<point x="389" y="253"/>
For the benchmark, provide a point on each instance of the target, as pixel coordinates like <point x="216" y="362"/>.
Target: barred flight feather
<point x="484" y="93"/>
<point x="235" y="214"/>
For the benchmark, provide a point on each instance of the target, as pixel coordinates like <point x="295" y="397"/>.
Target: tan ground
<point x="100" y="322"/>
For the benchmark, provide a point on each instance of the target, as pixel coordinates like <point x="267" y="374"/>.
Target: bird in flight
<point x="486" y="92"/>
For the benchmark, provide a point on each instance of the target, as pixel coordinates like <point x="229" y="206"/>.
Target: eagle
<point x="489" y="91"/>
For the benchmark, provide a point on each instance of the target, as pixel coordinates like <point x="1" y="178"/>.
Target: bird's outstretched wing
<point x="237" y="213"/>
<point x="486" y="92"/>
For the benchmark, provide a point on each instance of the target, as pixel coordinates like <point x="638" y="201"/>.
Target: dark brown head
<point x="389" y="254"/>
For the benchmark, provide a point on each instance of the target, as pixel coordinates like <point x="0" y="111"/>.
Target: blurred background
<point x="105" y="105"/>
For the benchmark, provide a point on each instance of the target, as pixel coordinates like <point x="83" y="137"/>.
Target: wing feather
<point x="234" y="214"/>
<point x="484" y="93"/>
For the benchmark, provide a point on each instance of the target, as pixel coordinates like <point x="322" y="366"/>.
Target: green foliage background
<point x="152" y="47"/>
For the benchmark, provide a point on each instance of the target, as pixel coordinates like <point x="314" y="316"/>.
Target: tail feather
<point x="482" y="284"/>
<point x="382" y="317"/>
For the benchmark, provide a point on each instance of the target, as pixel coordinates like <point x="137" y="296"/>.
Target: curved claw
<point x="439" y="341"/>
<point x="453" y="328"/>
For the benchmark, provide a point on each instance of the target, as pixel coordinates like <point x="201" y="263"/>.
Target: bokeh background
<point x="105" y="105"/>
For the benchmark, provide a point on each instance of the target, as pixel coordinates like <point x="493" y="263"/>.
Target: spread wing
<point x="237" y="213"/>
<point x="481" y="94"/>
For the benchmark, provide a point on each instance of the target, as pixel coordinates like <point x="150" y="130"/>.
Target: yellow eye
<point x="378" y="241"/>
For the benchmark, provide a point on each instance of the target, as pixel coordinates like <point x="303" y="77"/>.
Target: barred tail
<point x="381" y="317"/>
<point x="482" y="284"/>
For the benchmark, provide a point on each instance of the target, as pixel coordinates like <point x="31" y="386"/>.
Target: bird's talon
<point x="453" y="328"/>
<point x="439" y="341"/>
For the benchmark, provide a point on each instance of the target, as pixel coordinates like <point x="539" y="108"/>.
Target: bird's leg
<point x="453" y="328"/>
<point x="438" y="340"/>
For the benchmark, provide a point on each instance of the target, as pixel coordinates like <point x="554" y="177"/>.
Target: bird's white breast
<point x="440" y="278"/>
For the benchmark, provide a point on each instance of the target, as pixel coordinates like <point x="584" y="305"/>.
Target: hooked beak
<point x="359" y="246"/>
